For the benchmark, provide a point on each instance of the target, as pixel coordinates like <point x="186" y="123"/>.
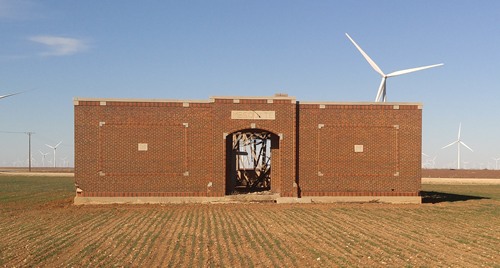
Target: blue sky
<point x="196" y="49"/>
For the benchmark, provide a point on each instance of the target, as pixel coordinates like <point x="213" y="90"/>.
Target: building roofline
<point x="275" y="97"/>
<point x="360" y="103"/>
<point x="139" y="100"/>
<point x="210" y="100"/>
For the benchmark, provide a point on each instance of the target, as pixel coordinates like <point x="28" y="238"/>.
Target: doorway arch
<point x="250" y="155"/>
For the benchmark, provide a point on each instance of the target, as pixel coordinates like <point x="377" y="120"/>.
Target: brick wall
<point x="359" y="149"/>
<point x="177" y="161"/>
<point x="179" y="148"/>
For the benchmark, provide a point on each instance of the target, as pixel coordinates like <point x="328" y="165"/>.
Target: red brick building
<point x="183" y="151"/>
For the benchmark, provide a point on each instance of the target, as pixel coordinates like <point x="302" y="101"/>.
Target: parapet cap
<point x="237" y="99"/>
<point x="76" y="100"/>
<point x="360" y="103"/>
<point x="382" y="105"/>
<point x="277" y="96"/>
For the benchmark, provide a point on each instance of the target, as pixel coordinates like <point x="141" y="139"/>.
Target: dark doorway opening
<point x="248" y="161"/>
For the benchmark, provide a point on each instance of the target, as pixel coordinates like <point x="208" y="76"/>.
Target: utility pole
<point x="29" y="133"/>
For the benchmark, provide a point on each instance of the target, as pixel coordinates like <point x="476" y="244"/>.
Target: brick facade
<point x="167" y="148"/>
<point x="388" y="138"/>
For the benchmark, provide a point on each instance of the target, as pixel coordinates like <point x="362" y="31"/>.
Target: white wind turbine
<point x="65" y="162"/>
<point x="458" y="142"/>
<point x="496" y="162"/>
<point x="381" y="93"/>
<point x="54" y="148"/>
<point x="430" y="162"/>
<point x="33" y="160"/>
<point x="43" y="158"/>
<point x="424" y="163"/>
<point x="433" y="161"/>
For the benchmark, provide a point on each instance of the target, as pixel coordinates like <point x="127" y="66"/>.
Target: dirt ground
<point x="39" y="226"/>
<point x="461" y="181"/>
<point x="460" y="173"/>
<point x="460" y="177"/>
<point x="252" y="235"/>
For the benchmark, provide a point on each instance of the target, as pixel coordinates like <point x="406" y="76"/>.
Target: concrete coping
<point x="363" y="103"/>
<point x="210" y="100"/>
<point x="78" y="99"/>
<point x="268" y="98"/>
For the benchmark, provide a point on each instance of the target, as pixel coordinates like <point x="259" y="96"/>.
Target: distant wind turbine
<point x="496" y="162"/>
<point x="424" y="163"/>
<point x="458" y="142"/>
<point x="33" y="160"/>
<point x="381" y="93"/>
<point x="54" y="148"/>
<point x="43" y="158"/>
<point x="64" y="161"/>
<point x="431" y="162"/>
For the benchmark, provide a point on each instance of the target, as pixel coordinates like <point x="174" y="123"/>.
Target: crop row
<point x="252" y="235"/>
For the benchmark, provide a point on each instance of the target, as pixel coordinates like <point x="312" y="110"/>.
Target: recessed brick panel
<point x="336" y="155"/>
<point x="119" y="148"/>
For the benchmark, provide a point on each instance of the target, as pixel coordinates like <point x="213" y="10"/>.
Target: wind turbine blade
<point x="461" y="142"/>
<point x="450" y="144"/>
<point x="367" y="58"/>
<point x="425" y="154"/>
<point x="58" y="144"/>
<point x="459" y="130"/>
<point x="396" y="73"/>
<point x="12" y="94"/>
<point x="49" y="146"/>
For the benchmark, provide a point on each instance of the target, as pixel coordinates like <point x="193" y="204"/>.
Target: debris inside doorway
<point x="252" y="160"/>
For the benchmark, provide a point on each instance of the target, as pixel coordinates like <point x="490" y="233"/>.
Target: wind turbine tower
<point x="458" y="142"/>
<point x="381" y="93"/>
<point x="54" y="148"/>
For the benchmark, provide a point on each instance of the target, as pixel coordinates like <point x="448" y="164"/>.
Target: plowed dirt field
<point x="39" y="226"/>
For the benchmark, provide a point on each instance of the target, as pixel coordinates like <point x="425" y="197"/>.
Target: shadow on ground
<point x="438" y="197"/>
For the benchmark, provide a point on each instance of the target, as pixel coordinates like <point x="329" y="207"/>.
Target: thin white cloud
<point x="60" y="46"/>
